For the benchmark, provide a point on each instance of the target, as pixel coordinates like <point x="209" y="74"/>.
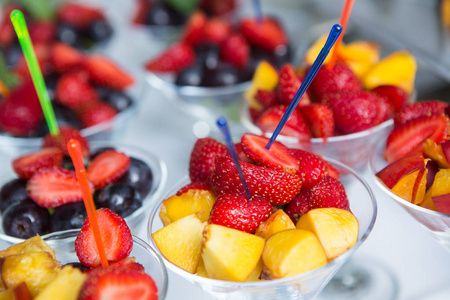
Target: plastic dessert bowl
<point x="63" y="245"/>
<point x="134" y="220"/>
<point x="303" y="286"/>
<point x="438" y="224"/>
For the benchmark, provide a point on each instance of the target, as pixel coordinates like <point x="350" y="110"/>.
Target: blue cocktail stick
<point x="258" y="11"/>
<point x="223" y="126"/>
<point x="332" y="37"/>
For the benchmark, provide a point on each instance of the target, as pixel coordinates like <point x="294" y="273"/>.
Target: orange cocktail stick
<point x="346" y="10"/>
<point x="4" y="91"/>
<point x="77" y="158"/>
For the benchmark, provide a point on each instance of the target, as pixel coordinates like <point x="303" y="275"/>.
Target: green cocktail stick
<point x="21" y="29"/>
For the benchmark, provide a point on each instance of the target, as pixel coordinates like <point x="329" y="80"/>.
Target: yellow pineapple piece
<point x="277" y="221"/>
<point x="34" y="244"/>
<point x="291" y="252"/>
<point x="191" y="202"/>
<point x="180" y="242"/>
<point x="336" y="229"/>
<point x="399" y="69"/>
<point x="360" y="56"/>
<point x="36" y="269"/>
<point x="66" y="285"/>
<point x="254" y="276"/>
<point x="265" y="78"/>
<point x="230" y="254"/>
<point x="314" y="50"/>
<point x="201" y="271"/>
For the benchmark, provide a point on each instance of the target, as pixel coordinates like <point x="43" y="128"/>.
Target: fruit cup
<point x="154" y="186"/>
<point x="306" y="285"/>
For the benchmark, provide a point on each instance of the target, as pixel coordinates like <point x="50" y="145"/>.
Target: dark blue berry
<point x="138" y="176"/>
<point x="99" y="31"/>
<point x="191" y="76"/>
<point x="122" y="199"/>
<point x="163" y="14"/>
<point x="117" y="99"/>
<point x="68" y="216"/>
<point x="223" y="75"/>
<point x="12" y="192"/>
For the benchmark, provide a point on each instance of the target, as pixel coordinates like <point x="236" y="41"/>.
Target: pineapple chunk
<point x="360" y="56"/>
<point x="278" y="221"/>
<point x="34" y="244"/>
<point x="201" y="271"/>
<point x="254" y="276"/>
<point x="291" y="252"/>
<point x="66" y="285"/>
<point x="180" y="242"/>
<point x="336" y="229"/>
<point x="191" y="202"/>
<point x="230" y="254"/>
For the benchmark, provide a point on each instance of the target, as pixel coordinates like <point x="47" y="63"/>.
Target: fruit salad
<point x="45" y="195"/>
<point x="297" y="219"/>
<point x="49" y="269"/>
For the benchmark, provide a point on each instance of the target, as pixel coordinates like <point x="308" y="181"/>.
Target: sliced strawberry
<point x="201" y="162"/>
<point x="289" y="84"/>
<point x="106" y="73"/>
<point x="235" y="50"/>
<point x="65" y="58"/>
<point x="174" y="59"/>
<point x="95" y="113"/>
<point x="331" y="170"/>
<point x="216" y="30"/>
<point x="277" y="187"/>
<point x="204" y="186"/>
<point x="241" y="154"/>
<point x="42" y="52"/>
<point x="319" y="118"/>
<point x="53" y="187"/>
<point x="417" y="109"/>
<point x="193" y="31"/>
<point x="254" y="114"/>
<point x="65" y="134"/>
<point x="78" y="15"/>
<point x="266" y="98"/>
<point x="73" y="92"/>
<point x="409" y="137"/>
<point x="107" y="167"/>
<point x="236" y="211"/>
<point x="295" y="126"/>
<point x="312" y="167"/>
<point x="26" y="165"/>
<point x="397" y="96"/>
<point x="42" y="32"/>
<point x="128" y="263"/>
<point x="299" y="206"/>
<point x="328" y="192"/>
<point x="267" y="34"/>
<point x="116" y="237"/>
<point x="277" y="157"/>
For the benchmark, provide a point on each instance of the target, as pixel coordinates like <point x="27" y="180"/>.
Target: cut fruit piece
<point x="399" y="69"/>
<point x="190" y="202"/>
<point x="291" y="252"/>
<point x="20" y="292"/>
<point x="107" y="167"/>
<point x="180" y="242"/>
<point x="411" y="187"/>
<point x="230" y="254"/>
<point x="66" y="285"/>
<point x="26" y="165"/>
<point x="201" y="271"/>
<point x="314" y="50"/>
<point x="436" y="153"/>
<point x="336" y="229"/>
<point x="278" y="221"/>
<point x="360" y="56"/>
<point x="106" y="73"/>
<point x="441" y="183"/>
<point x="442" y="203"/>
<point x="428" y="201"/>
<point x="34" y="244"/>
<point x="256" y="273"/>
<point x="265" y="78"/>
<point x="393" y="172"/>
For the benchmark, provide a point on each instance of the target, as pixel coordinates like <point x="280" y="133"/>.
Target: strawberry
<point x="25" y="166"/>
<point x="128" y="263"/>
<point x="408" y="138"/>
<point x="95" y="113"/>
<point x="65" y="134"/>
<point x="194" y="186"/>
<point x="331" y="170"/>
<point x="312" y="167"/>
<point x="216" y="30"/>
<point x="177" y="57"/>
<point x="385" y="109"/>
<point x="397" y="96"/>
<point x="42" y="32"/>
<point x="107" y="167"/>
<point x="142" y="9"/>
<point x="328" y="192"/>
<point x="106" y="73"/>
<point x="298" y="206"/>
<point x="319" y="118"/>
<point x="193" y="30"/>
<point x="42" y="52"/>
<point x="65" y="58"/>
<point x="417" y="109"/>
<point x="288" y="86"/>
<point x="241" y="154"/>
<point x="236" y="211"/>
<point x="235" y="50"/>
<point x="295" y="126"/>
<point x="201" y="162"/>
<point x="78" y="15"/>
<point x="218" y="8"/>
<point x="73" y="92"/>
<point x="53" y="187"/>
<point x="339" y="79"/>
<point x="115" y="284"/>
<point x="116" y="237"/>
<point x="267" y="34"/>
<point x="254" y="114"/>
<point x="277" y="187"/>
<point x="277" y="157"/>
<point x="266" y="98"/>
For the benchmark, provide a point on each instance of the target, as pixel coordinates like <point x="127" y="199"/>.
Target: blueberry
<point x="208" y="55"/>
<point x="50" y="82"/>
<point x="68" y="216"/>
<point x="25" y="219"/>
<point x="223" y="75"/>
<point x="122" y="199"/>
<point x="68" y="35"/>
<point x="64" y="116"/>
<point x="99" y="30"/>
<point x="191" y="76"/>
<point x="117" y="99"/>
<point x="162" y="14"/>
<point x="138" y="176"/>
<point x="278" y="58"/>
<point x="12" y="192"/>
<point x="12" y="54"/>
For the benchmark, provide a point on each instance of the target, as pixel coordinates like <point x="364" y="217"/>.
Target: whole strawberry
<point x="201" y="163"/>
<point x="418" y="109"/>
<point x="328" y="192"/>
<point x="298" y="206"/>
<point x="65" y="134"/>
<point x="312" y="168"/>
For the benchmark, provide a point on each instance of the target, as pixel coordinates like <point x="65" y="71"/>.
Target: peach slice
<point x="291" y="252"/>
<point x="181" y="241"/>
<point x="399" y="69"/>
<point x="360" y="56"/>
<point x="336" y="229"/>
<point x="277" y="221"/>
<point x="66" y="285"/>
<point x="34" y="244"/>
<point x="191" y="202"/>
<point x="393" y="172"/>
<point x="442" y="203"/>
<point x="256" y="273"/>
<point x="19" y="292"/>
<point x="265" y="78"/>
<point x="436" y="153"/>
<point x="411" y="187"/>
<point x="441" y="183"/>
<point x="428" y="202"/>
<point x="230" y="254"/>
